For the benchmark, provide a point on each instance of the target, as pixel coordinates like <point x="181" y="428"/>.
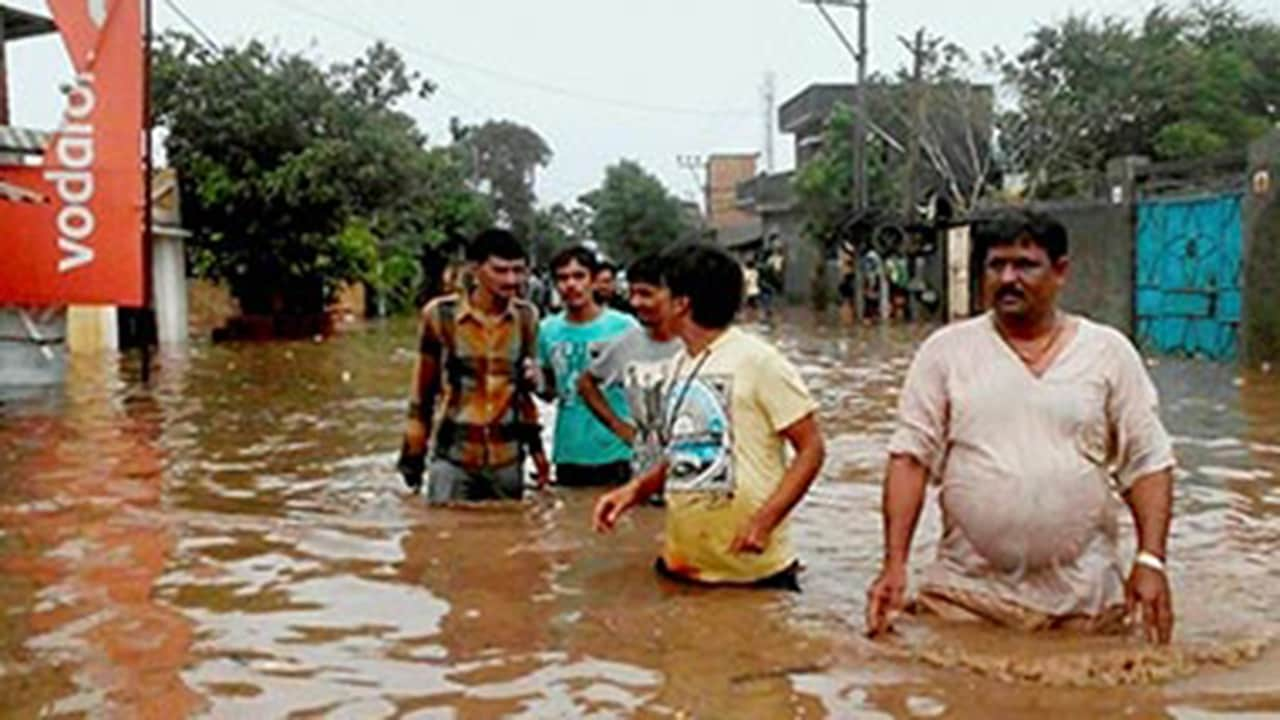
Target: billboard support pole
<point x="148" y="234"/>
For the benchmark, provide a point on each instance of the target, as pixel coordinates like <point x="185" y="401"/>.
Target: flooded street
<point x="234" y="542"/>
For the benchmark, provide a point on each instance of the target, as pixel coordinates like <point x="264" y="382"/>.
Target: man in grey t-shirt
<point x="637" y="362"/>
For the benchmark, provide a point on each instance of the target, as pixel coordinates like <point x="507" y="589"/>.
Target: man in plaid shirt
<point x="475" y="351"/>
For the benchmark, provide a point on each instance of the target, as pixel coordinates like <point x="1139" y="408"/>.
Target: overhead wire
<point x="502" y="76"/>
<point x="191" y="23"/>
<point x="213" y="44"/>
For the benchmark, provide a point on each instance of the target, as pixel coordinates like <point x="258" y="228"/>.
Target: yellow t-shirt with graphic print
<point x="726" y="455"/>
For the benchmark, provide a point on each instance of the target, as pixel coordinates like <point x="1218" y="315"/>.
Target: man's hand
<point x="531" y="375"/>
<point x="1148" y="591"/>
<point x="415" y="437"/>
<point x="611" y="506"/>
<point x="885" y="598"/>
<point x="626" y="432"/>
<point x="543" y="468"/>
<point x="412" y="465"/>
<point x="593" y="396"/>
<point x="805" y="438"/>
<point x="753" y="537"/>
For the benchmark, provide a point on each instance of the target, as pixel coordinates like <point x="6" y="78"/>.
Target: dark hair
<point x="609" y="265"/>
<point x="579" y="254"/>
<point x="647" y="270"/>
<point x="1007" y="227"/>
<point x="709" y="277"/>
<point x="495" y="242"/>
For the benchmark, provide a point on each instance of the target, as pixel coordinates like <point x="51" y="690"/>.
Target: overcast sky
<point x="599" y="79"/>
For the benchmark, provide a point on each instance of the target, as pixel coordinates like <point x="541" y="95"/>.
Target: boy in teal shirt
<point x="586" y="452"/>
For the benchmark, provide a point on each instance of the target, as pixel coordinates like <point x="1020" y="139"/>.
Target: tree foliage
<point x="951" y="117"/>
<point x="824" y="185"/>
<point x="297" y="178"/>
<point x="1177" y="85"/>
<point x="558" y="227"/>
<point x="503" y="158"/>
<point x="633" y="213"/>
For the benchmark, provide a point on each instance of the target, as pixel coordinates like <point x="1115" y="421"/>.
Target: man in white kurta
<point x="1029" y="467"/>
<point x="1035" y="424"/>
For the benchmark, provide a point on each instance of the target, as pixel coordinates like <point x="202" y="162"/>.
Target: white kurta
<point x="1030" y="466"/>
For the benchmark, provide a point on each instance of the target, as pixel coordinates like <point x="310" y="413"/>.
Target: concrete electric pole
<point x="860" y="118"/>
<point x="918" y="49"/>
<point x="696" y="166"/>
<point x="770" y="95"/>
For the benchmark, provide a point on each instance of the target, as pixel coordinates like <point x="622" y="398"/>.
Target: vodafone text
<point x="73" y="178"/>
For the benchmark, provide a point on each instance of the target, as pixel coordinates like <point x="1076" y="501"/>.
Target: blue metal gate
<point x="1189" y="276"/>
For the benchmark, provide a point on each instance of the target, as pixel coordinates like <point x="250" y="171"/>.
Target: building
<point x="724" y="173"/>
<point x="955" y="129"/>
<point x="956" y="125"/>
<point x="30" y="338"/>
<point x="780" y="226"/>
<point x="729" y="223"/>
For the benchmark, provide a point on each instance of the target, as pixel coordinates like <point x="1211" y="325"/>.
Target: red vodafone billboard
<point x="82" y="241"/>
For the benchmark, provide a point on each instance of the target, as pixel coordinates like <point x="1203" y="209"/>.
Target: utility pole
<point x="860" y="118"/>
<point x="860" y="196"/>
<point x="148" y="314"/>
<point x="696" y="166"/>
<point x="917" y="49"/>
<point x="770" y="102"/>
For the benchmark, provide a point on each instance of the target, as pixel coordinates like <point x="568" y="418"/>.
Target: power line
<point x="213" y="45"/>
<point x="192" y="24"/>
<point x="508" y="77"/>
<point x="769" y="92"/>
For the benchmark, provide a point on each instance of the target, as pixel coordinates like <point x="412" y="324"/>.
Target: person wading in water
<point x="733" y="406"/>
<point x="1032" y="421"/>
<point x="474" y="350"/>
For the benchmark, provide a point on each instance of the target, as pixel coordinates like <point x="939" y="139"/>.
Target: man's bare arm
<point x="412" y="463"/>
<point x="612" y="505"/>
<point x="589" y="389"/>
<point x="1150" y="500"/>
<point x="544" y="382"/>
<point x="805" y="437"/>
<point x="422" y="396"/>
<point x="902" y="501"/>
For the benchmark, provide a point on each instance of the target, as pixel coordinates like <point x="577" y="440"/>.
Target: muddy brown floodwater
<point x="233" y="542"/>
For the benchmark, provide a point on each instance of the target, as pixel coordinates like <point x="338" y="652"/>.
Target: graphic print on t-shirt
<point x="645" y="385"/>
<point x="568" y="361"/>
<point x="700" y="449"/>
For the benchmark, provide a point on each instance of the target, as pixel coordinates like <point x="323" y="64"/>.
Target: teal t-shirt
<point x="569" y="349"/>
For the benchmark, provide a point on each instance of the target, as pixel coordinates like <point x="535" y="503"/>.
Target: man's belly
<point x="1022" y="524"/>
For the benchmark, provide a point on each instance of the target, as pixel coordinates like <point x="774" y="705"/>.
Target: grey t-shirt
<point x="638" y="363"/>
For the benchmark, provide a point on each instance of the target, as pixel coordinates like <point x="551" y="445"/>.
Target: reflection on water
<point x="232" y="541"/>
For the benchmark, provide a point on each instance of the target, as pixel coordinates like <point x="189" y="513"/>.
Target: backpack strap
<point x="448" y="321"/>
<point x="527" y="318"/>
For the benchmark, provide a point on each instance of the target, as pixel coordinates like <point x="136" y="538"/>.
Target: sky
<point x="600" y="80"/>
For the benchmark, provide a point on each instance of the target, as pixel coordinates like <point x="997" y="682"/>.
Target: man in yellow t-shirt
<point x="733" y="404"/>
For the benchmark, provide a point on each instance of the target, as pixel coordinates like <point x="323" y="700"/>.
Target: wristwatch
<point x="1149" y="560"/>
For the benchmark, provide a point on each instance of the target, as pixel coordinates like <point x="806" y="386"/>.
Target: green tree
<point x="503" y="158"/>
<point x="1178" y="85"/>
<point x="824" y="189"/>
<point x="633" y="213"/>
<point x="947" y="118"/>
<point x="297" y="178"/>
<point x="558" y="227"/>
<point x="824" y="185"/>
